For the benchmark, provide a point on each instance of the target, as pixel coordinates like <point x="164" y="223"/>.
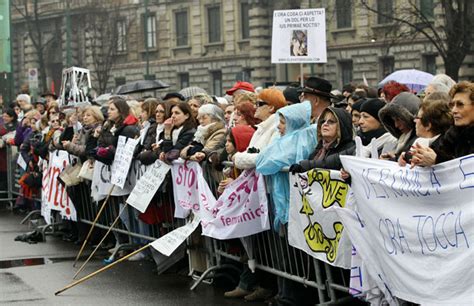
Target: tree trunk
<point x="452" y="64"/>
<point x="42" y="71"/>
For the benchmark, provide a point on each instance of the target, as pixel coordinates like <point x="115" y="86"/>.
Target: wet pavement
<point x="31" y="273"/>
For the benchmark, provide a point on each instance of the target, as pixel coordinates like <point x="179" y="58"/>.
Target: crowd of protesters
<point x="267" y="129"/>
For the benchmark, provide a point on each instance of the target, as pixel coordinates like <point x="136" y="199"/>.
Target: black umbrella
<point x="140" y="86"/>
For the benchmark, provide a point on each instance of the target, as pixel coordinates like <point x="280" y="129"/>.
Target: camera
<point x="408" y="156"/>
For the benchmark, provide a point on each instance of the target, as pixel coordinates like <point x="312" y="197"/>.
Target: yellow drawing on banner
<point x="334" y="192"/>
<point x="319" y="242"/>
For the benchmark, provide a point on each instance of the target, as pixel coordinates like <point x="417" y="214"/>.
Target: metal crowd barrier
<point x="271" y="251"/>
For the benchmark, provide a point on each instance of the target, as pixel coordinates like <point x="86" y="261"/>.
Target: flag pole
<point x="101" y="241"/>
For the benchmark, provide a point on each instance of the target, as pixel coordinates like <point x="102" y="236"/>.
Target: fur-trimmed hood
<point x="404" y="106"/>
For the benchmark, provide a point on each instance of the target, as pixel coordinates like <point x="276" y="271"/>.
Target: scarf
<point x="160" y="127"/>
<point x="202" y="133"/>
<point x="324" y="149"/>
<point x="367" y="137"/>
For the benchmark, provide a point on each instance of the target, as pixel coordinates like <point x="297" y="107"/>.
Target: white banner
<point x="313" y="227"/>
<point x="242" y="209"/>
<point x="122" y="160"/>
<point x="147" y="186"/>
<point x="171" y="241"/>
<point x="191" y="191"/>
<point x="299" y="36"/>
<point x="414" y="228"/>
<point x="54" y="196"/>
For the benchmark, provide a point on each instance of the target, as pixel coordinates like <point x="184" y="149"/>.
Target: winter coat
<point x="283" y="152"/>
<point x="404" y="106"/>
<point x="343" y="145"/>
<point x="78" y="148"/>
<point x="5" y="130"/>
<point x="456" y="142"/>
<point x="146" y="155"/>
<point x="184" y="138"/>
<point x="22" y="132"/>
<point x="108" y="139"/>
<point x="214" y="139"/>
<point x="265" y="134"/>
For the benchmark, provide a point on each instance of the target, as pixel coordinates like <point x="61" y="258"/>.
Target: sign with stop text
<point x="313" y="227"/>
<point x="299" y="36"/>
<point x="414" y="228"/>
<point x="191" y="191"/>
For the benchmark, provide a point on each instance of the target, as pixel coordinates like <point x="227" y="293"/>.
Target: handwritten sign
<point x="242" y="209"/>
<point x="171" y="241"/>
<point x="407" y="224"/>
<point x="191" y="191"/>
<point x="147" y="186"/>
<point x="299" y="36"/>
<point x="122" y="160"/>
<point x="54" y="195"/>
<point x="312" y="226"/>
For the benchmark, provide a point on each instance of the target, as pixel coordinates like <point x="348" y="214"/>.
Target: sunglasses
<point x="261" y="103"/>
<point x="458" y="104"/>
<point x="328" y="121"/>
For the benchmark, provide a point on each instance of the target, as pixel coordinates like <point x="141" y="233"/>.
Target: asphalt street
<point x="49" y="269"/>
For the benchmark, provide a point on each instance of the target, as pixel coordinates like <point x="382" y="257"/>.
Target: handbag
<point x="70" y="175"/>
<point x="87" y="170"/>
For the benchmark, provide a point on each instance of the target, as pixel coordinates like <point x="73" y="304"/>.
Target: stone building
<point x="212" y="43"/>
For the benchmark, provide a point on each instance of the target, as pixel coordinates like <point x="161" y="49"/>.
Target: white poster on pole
<point x="147" y="186"/>
<point x="167" y="244"/>
<point x="414" y="228"/>
<point x="122" y="160"/>
<point x="299" y="36"/>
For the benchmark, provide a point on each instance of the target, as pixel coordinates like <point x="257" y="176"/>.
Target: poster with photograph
<point x="299" y="36"/>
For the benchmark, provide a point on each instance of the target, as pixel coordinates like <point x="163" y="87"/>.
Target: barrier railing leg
<point x="92" y="226"/>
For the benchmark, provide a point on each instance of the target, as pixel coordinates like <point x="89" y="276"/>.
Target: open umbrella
<point x="416" y="80"/>
<point x="140" y="86"/>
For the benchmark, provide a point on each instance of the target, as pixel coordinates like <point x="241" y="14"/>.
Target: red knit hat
<point x="242" y="135"/>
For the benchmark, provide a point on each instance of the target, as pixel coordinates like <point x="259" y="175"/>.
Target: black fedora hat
<point x="49" y="93"/>
<point x="318" y="86"/>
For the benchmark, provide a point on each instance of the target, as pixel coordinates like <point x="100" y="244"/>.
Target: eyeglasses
<point x="261" y="103"/>
<point x="458" y="104"/>
<point x="55" y="121"/>
<point x="328" y="121"/>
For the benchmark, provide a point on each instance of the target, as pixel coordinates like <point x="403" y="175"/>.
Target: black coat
<point x="345" y="145"/>
<point x="456" y="142"/>
<point x="185" y="137"/>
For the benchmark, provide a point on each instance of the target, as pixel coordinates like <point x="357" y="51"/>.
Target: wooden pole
<point x="100" y="243"/>
<point x="92" y="226"/>
<point x="102" y="269"/>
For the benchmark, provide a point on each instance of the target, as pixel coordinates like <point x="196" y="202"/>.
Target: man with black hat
<point x="40" y="105"/>
<point x="317" y="91"/>
<point x="50" y="97"/>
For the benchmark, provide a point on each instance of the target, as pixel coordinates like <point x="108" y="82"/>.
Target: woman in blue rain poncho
<point x="298" y="139"/>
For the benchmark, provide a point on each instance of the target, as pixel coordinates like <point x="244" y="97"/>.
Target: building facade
<point x="209" y="43"/>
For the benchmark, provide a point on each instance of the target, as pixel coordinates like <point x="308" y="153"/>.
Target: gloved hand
<point x="296" y="168"/>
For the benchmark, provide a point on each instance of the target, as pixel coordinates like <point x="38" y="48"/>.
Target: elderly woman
<point x="335" y="138"/>
<point x="433" y="120"/>
<point x="459" y="139"/>
<point x="178" y="132"/>
<point x="209" y="136"/>
<point x="197" y="101"/>
<point x="397" y="117"/>
<point x="91" y="118"/>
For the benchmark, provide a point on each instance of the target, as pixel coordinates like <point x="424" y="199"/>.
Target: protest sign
<point x="312" y="226"/>
<point x="242" y="209"/>
<point x="54" y="195"/>
<point x="21" y="162"/>
<point x="147" y="186"/>
<point x="171" y="241"/>
<point x="75" y="86"/>
<point x="414" y="228"/>
<point x="191" y="191"/>
<point x="122" y="160"/>
<point x="299" y="36"/>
